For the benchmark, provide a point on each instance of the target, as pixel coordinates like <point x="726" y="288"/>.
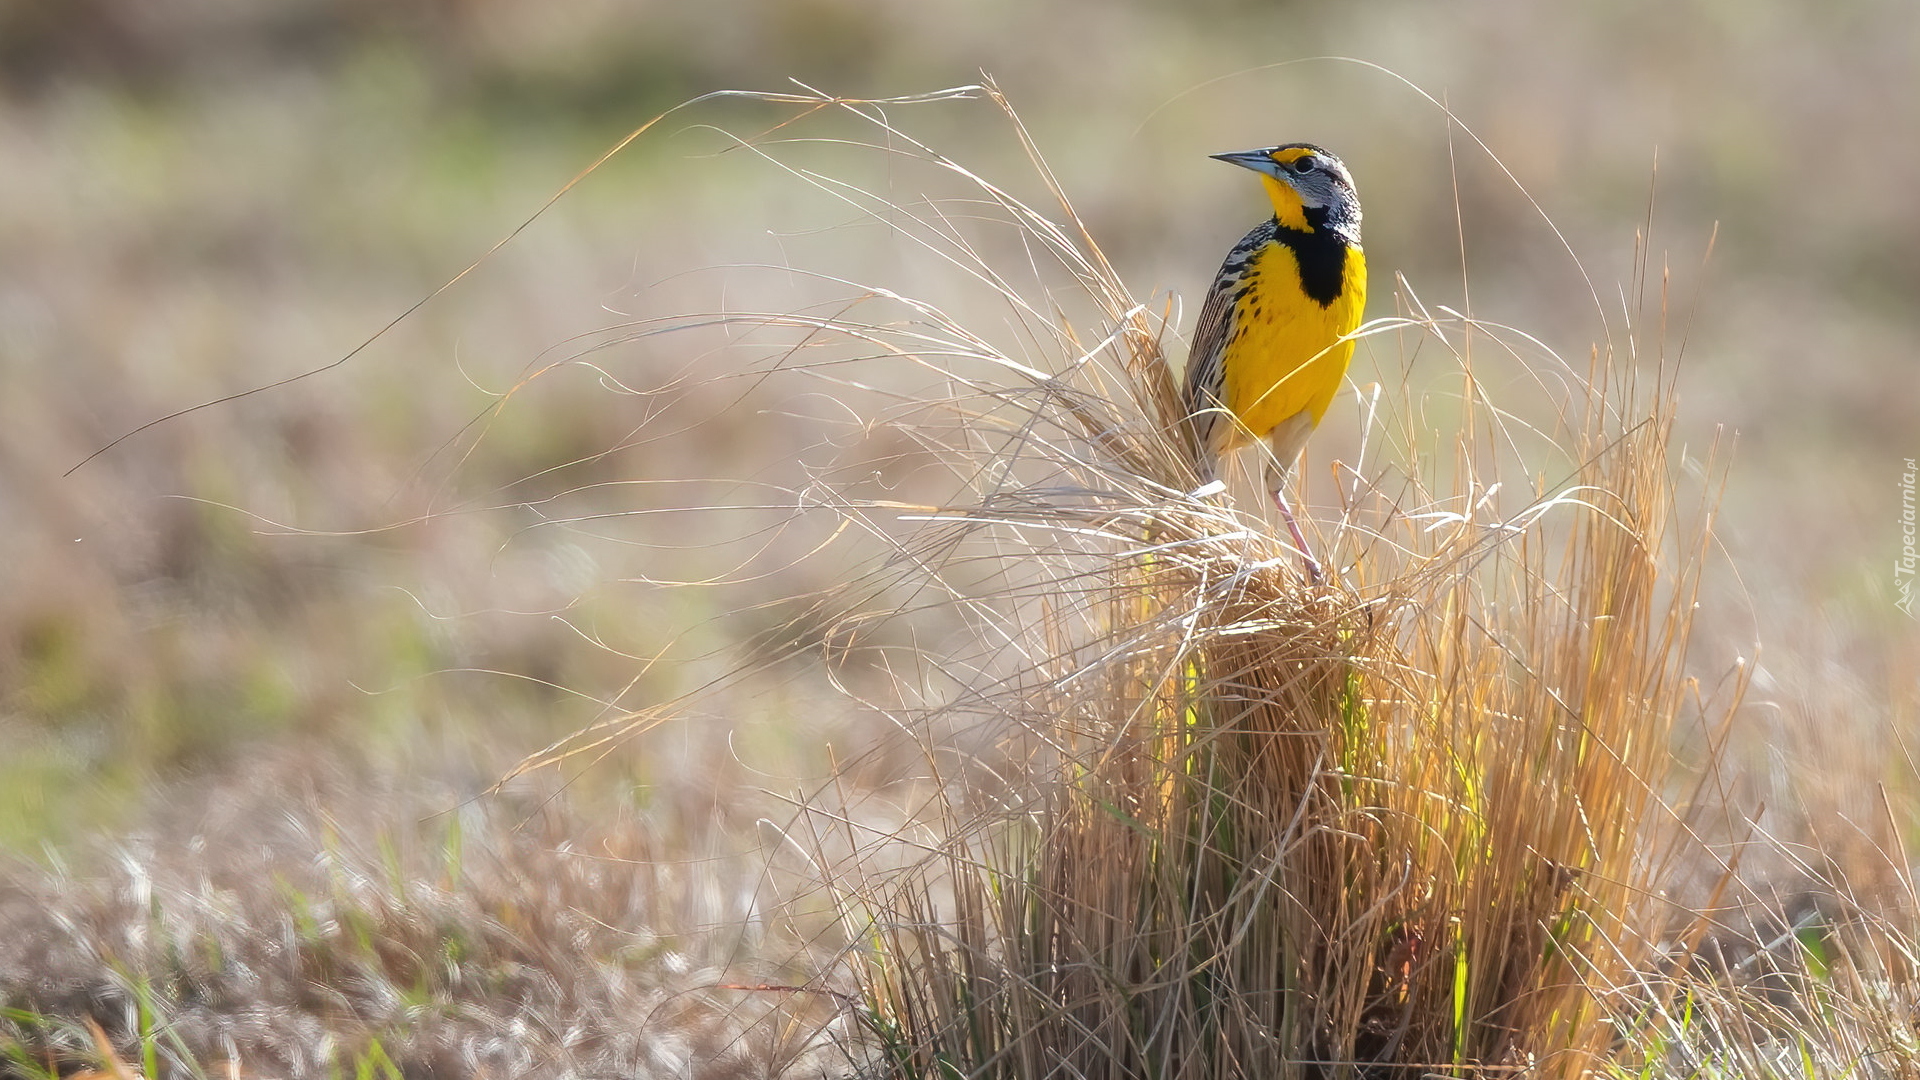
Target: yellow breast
<point x="1284" y="353"/>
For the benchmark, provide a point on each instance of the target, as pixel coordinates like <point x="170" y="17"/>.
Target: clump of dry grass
<point x="1396" y="828"/>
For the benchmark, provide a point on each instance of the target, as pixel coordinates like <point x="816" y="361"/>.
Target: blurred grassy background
<point x="203" y="196"/>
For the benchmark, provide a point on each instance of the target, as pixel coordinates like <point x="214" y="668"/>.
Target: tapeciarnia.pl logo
<point x="1903" y="567"/>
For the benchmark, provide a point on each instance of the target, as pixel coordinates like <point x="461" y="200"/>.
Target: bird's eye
<point x="1306" y="165"/>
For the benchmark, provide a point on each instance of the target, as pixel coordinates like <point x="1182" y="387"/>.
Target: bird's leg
<point x="1286" y="439"/>
<point x="1293" y="530"/>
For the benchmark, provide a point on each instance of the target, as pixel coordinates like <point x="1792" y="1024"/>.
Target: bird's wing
<point x="1207" y="420"/>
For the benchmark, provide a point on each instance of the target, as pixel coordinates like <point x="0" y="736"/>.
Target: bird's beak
<point x="1257" y="160"/>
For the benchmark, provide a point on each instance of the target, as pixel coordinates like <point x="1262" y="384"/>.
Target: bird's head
<point x="1310" y="187"/>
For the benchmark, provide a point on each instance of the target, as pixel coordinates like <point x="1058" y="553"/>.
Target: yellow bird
<point x="1271" y="347"/>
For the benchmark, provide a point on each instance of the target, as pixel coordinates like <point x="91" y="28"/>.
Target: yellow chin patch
<point x="1286" y="203"/>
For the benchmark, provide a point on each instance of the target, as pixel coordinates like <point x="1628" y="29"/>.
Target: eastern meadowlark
<point x="1271" y="347"/>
